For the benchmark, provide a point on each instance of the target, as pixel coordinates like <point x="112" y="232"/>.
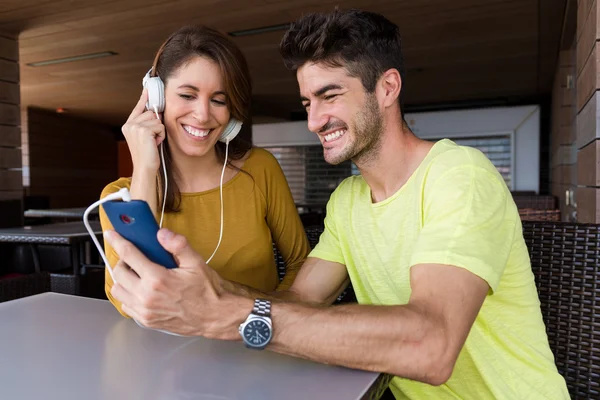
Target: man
<point x="428" y="235"/>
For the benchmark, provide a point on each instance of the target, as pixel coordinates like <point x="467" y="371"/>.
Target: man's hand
<point x="189" y="300"/>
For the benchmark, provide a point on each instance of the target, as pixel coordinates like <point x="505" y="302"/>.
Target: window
<point x="497" y="148"/>
<point x="312" y="180"/>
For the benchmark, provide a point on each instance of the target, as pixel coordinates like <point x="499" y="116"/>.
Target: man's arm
<point x="419" y="341"/>
<point x="318" y="282"/>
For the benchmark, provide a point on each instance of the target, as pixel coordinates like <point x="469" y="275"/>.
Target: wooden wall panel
<point x="587" y="80"/>
<point x="587" y="126"/>
<point x="70" y="160"/>
<point x="9" y="92"/>
<point x="125" y="163"/>
<point x="588" y="112"/>
<point x="11" y="177"/>
<point x="9" y="50"/>
<point x="586" y="40"/>
<point x="583" y="11"/>
<point x="10" y="157"/>
<point x="588" y="163"/>
<point x="9" y="114"/>
<point x="9" y="71"/>
<point x="563" y="155"/>
<point x="588" y="204"/>
<point x="10" y="180"/>
<point x="10" y="136"/>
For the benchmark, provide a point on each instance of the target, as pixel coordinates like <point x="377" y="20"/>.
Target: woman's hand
<point x="143" y="133"/>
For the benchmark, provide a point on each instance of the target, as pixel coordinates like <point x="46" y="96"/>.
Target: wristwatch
<point x="257" y="329"/>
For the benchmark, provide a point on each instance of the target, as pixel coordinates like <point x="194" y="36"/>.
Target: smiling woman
<point x="206" y="90"/>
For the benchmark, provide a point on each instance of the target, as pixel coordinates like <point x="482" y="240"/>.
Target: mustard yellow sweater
<point x="258" y="210"/>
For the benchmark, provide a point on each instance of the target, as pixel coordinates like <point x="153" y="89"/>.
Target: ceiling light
<point x="74" y="58"/>
<point x="257" y="31"/>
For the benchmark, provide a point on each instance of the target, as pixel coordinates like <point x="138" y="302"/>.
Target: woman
<point x="206" y="84"/>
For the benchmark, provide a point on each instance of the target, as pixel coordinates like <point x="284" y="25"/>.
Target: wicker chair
<point x="18" y="286"/>
<point x="536" y="202"/>
<point x="565" y="259"/>
<point x="530" y="214"/>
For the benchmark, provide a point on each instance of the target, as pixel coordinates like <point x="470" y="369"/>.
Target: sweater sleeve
<point x="111" y="254"/>
<point x="283" y="220"/>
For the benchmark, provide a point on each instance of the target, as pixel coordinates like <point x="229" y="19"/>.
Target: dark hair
<point x="364" y="43"/>
<point x="180" y="48"/>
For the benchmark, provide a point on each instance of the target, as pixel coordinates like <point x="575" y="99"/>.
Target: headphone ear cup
<point x="156" y="92"/>
<point x="231" y="130"/>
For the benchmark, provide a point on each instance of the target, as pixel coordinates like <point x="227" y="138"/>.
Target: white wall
<point x="523" y="122"/>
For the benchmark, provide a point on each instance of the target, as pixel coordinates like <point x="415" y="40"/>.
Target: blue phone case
<point x="134" y="221"/>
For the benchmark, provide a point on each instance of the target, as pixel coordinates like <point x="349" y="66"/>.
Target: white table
<point x="55" y="346"/>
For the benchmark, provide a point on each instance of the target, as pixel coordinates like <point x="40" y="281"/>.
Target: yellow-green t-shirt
<point x="456" y="210"/>
<point x="258" y="211"/>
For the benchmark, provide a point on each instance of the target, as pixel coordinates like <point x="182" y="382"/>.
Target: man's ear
<point x="390" y="86"/>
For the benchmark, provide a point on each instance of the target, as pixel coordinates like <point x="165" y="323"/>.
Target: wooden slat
<point x="588" y="205"/>
<point x="11" y="195"/>
<point x="588" y="164"/>
<point x="9" y="49"/>
<point x="9" y="93"/>
<point x="567" y="134"/>
<point x="587" y="81"/>
<point x="587" y="126"/>
<point x="587" y="40"/>
<point x="10" y="180"/>
<point x="564" y="155"/>
<point x="567" y="58"/>
<point x="583" y="12"/>
<point x="9" y="71"/>
<point x="10" y="158"/>
<point x="9" y="114"/>
<point x="10" y="136"/>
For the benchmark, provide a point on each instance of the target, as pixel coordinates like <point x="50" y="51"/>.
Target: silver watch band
<point x="262" y="307"/>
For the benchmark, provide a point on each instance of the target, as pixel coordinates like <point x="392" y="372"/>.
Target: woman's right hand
<point x="143" y="133"/>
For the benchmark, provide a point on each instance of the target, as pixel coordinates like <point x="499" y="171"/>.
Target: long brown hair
<point x="182" y="46"/>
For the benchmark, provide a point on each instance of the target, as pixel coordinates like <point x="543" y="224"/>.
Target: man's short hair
<point x="364" y="43"/>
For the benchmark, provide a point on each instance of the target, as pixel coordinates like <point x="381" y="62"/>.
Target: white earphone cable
<point x="166" y="183"/>
<point x="162" y="214"/>
<point x="221" y="197"/>
<point x="123" y="194"/>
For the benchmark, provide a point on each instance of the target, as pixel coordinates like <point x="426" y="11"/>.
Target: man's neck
<point x="400" y="154"/>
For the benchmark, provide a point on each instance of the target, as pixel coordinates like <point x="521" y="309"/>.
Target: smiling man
<point x="428" y="235"/>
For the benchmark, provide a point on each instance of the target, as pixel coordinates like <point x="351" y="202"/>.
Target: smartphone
<point x="135" y="222"/>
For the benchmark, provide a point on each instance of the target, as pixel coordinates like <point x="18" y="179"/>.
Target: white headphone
<point x="156" y="97"/>
<point x="156" y="102"/>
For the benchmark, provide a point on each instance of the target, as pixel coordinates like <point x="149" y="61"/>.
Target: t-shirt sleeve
<point x="329" y="248"/>
<point x="111" y="254"/>
<point x="468" y="221"/>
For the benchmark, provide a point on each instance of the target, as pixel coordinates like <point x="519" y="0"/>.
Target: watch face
<point x="257" y="333"/>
